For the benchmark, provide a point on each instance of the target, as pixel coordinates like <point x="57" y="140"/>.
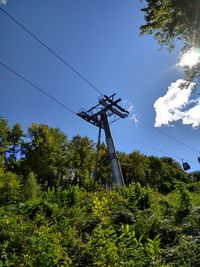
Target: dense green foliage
<point x="51" y="215"/>
<point x="169" y="20"/>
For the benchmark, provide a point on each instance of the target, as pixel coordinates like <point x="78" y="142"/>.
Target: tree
<point x="81" y="152"/>
<point x="135" y="168"/>
<point x="4" y="133"/>
<point x="10" y="144"/>
<point x="9" y="187"/>
<point x="165" y="173"/>
<point x="195" y="176"/>
<point x="32" y="190"/>
<point x="103" y="168"/>
<point x="169" y="20"/>
<point x="45" y="154"/>
<point x="15" y="139"/>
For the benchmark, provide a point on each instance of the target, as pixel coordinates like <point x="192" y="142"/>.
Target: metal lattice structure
<point x="98" y="116"/>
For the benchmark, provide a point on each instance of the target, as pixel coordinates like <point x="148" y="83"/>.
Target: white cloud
<point x="176" y="105"/>
<point x="130" y="108"/>
<point x="3" y="2"/>
<point x="192" y="116"/>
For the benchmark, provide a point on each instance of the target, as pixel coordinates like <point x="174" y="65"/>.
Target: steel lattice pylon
<point x="98" y="116"/>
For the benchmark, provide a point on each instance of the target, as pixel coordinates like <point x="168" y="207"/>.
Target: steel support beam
<point x="117" y="175"/>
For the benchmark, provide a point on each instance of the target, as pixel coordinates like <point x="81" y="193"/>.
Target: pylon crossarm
<point x="113" y="107"/>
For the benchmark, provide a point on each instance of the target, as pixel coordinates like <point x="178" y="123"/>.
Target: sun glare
<point x="190" y="59"/>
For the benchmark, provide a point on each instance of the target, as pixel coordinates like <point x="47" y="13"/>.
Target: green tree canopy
<point x="9" y="187"/>
<point x="103" y="167"/>
<point x="10" y="144"/>
<point x="81" y="152"/>
<point x="15" y="139"/>
<point x="169" y="20"/>
<point x="4" y="133"/>
<point x="46" y="153"/>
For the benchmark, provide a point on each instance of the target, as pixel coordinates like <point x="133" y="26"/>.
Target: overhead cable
<point x="78" y="74"/>
<point x="154" y="148"/>
<point x="37" y="88"/>
<point x="52" y="51"/>
<point x="170" y="136"/>
<point x="70" y="110"/>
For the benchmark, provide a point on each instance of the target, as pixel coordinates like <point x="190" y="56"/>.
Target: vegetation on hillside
<point x="51" y="214"/>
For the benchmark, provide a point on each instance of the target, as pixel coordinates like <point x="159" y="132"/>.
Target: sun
<point x="190" y="59"/>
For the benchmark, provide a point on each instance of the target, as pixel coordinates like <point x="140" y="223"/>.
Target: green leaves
<point x="153" y="250"/>
<point x="81" y="154"/>
<point x="185" y="204"/>
<point x="45" y="154"/>
<point x="65" y="223"/>
<point x="73" y="227"/>
<point x="9" y="187"/>
<point x="169" y="20"/>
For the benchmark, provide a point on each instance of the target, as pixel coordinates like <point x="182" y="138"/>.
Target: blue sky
<point x="100" y="39"/>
